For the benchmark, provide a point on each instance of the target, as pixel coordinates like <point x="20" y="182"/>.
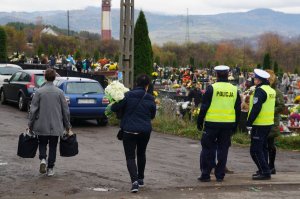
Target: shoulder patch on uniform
<point x="255" y="100"/>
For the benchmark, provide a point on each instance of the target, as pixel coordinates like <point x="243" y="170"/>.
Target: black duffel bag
<point x="27" y="145"/>
<point x="68" y="146"/>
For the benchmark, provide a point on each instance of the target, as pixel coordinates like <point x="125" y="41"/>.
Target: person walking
<point x="48" y="118"/>
<point x="220" y="109"/>
<point x="275" y="132"/>
<point x="138" y="109"/>
<point x="260" y="121"/>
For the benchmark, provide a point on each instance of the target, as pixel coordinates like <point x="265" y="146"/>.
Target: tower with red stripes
<point x="106" y="20"/>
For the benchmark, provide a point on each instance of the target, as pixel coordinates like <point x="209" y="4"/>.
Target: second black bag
<point x="68" y="146"/>
<point x="27" y="145"/>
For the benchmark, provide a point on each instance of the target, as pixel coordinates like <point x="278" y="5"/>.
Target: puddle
<point x="102" y="189"/>
<point x="3" y="163"/>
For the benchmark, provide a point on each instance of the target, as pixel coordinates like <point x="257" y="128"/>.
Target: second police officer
<point x="220" y="109"/>
<point x="260" y="121"/>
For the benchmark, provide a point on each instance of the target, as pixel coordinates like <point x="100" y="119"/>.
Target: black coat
<point x="136" y="116"/>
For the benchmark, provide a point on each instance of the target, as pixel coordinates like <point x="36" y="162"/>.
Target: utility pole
<point x="187" y="34"/>
<point x="68" y="16"/>
<point x="126" y="60"/>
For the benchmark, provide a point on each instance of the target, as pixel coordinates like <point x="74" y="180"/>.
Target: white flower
<point x="116" y="91"/>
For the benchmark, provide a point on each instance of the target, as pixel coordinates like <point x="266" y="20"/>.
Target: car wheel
<point x="102" y="122"/>
<point x="3" y="98"/>
<point x="22" y="103"/>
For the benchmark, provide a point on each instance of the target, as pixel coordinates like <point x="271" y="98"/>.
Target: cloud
<point x="163" y="6"/>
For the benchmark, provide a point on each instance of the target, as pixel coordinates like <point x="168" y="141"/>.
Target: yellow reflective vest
<point x="222" y="104"/>
<point x="266" y="114"/>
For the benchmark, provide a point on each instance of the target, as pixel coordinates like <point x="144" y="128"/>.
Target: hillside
<point x="164" y="28"/>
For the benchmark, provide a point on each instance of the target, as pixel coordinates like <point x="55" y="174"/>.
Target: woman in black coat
<point x="138" y="108"/>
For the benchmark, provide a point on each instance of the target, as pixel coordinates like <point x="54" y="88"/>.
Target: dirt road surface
<point x="99" y="171"/>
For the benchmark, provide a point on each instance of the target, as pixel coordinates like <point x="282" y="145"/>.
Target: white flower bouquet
<point x="114" y="92"/>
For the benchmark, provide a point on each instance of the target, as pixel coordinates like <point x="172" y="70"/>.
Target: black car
<point x="20" y="87"/>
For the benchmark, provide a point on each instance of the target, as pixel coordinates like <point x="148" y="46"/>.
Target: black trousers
<point x="272" y="152"/>
<point x="43" y="142"/>
<point x="136" y="145"/>
<point x="259" y="148"/>
<point x="214" y="139"/>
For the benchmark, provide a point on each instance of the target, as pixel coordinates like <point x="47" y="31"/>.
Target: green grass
<point x="186" y="128"/>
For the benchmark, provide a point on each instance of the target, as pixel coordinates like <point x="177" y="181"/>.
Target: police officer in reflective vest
<point x="260" y="121"/>
<point x="220" y="109"/>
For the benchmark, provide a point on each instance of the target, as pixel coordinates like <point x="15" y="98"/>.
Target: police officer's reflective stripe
<point x="266" y="115"/>
<point x="222" y="104"/>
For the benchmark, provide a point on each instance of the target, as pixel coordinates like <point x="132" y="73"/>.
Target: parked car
<point x="6" y="71"/>
<point x="85" y="97"/>
<point x="20" y="87"/>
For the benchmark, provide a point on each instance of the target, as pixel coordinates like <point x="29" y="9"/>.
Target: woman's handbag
<point x="120" y="134"/>
<point x="68" y="145"/>
<point x="27" y="145"/>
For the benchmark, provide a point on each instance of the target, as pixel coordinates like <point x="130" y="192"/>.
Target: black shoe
<point x="220" y="179"/>
<point x="261" y="177"/>
<point x="201" y="179"/>
<point x="141" y="182"/>
<point x="135" y="187"/>
<point x="256" y="174"/>
<point x="273" y="171"/>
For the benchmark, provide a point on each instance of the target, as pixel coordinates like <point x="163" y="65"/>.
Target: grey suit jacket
<point x="49" y="111"/>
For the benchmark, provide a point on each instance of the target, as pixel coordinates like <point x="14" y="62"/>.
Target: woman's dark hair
<point x="50" y="75"/>
<point x="142" y="81"/>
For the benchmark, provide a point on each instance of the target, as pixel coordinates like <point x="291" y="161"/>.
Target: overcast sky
<point x="162" y="6"/>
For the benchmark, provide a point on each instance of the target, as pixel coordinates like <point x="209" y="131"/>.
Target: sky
<point x="162" y="6"/>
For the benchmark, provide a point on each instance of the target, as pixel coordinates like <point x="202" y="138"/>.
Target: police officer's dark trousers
<point x="259" y="148"/>
<point x="212" y="139"/>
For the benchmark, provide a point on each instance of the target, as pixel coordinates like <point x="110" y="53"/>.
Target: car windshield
<point x="39" y="80"/>
<point x="8" y="70"/>
<point x="84" y="88"/>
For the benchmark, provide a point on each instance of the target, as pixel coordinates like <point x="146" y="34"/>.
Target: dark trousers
<point x="136" y="145"/>
<point x="43" y="142"/>
<point x="214" y="139"/>
<point x="272" y="152"/>
<point x="259" y="148"/>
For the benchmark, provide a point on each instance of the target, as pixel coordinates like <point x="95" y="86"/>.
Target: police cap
<point x="261" y="74"/>
<point x="221" y="68"/>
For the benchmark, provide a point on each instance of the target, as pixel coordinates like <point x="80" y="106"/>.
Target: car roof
<point x="10" y="65"/>
<point x="37" y="72"/>
<point x="75" y="79"/>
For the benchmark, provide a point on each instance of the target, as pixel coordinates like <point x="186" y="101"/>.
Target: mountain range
<point x="164" y="28"/>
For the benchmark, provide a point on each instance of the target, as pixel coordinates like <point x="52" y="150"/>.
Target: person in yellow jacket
<point x="219" y="113"/>
<point x="260" y="121"/>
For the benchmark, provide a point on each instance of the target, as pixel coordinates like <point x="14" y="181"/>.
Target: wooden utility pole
<point x="126" y="60"/>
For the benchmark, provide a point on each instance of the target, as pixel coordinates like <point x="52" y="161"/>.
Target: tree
<point x="296" y="71"/>
<point x="276" y="68"/>
<point x="3" y="46"/>
<point x="143" y="54"/>
<point x="40" y="50"/>
<point x="77" y="55"/>
<point x="96" y="55"/>
<point x="267" y="61"/>
<point x="192" y="61"/>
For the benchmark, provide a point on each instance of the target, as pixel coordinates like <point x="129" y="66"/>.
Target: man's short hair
<point x="50" y="75"/>
<point x="142" y="81"/>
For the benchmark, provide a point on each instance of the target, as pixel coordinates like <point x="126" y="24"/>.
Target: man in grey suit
<point x="49" y="117"/>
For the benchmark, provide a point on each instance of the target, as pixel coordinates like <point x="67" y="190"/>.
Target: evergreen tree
<point x="192" y="61"/>
<point x="258" y="66"/>
<point x="77" y="55"/>
<point x="157" y="60"/>
<point x="296" y="71"/>
<point x="143" y="54"/>
<point x="276" y="68"/>
<point x="96" y="55"/>
<point x="267" y="61"/>
<point x="3" y="46"/>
